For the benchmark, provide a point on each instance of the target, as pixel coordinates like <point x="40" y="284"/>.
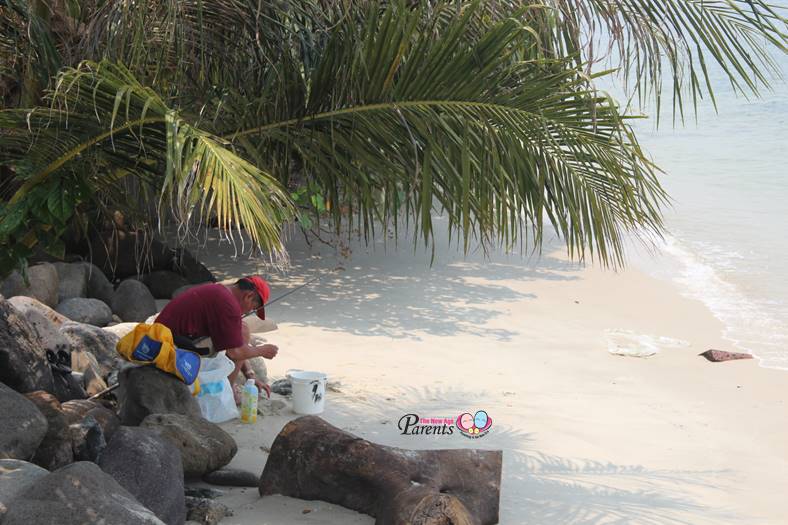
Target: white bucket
<point x="309" y="391"/>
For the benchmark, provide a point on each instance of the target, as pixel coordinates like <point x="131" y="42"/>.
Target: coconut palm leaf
<point x="101" y="109"/>
<point x="670" y="44"/>
<point x="403" y="119"/>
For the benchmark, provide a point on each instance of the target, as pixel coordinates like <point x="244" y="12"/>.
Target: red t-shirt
<point x="205" y="310"/>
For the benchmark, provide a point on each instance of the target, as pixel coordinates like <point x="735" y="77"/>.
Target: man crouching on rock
<point x="215" y="310"/>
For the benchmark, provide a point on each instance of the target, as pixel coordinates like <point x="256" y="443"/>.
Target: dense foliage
<point x="246" y="114"/>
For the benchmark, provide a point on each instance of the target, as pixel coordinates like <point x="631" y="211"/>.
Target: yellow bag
<point x="153" y="344"/>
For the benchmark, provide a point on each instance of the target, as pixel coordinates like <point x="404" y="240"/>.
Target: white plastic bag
<point x="216" y="395"/>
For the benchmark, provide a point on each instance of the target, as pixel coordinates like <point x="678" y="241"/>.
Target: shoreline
<point x="746" y="320"/>
<point x="587" y="436"/>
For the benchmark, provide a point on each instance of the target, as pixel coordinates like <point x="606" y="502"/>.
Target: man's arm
<point x="249" y="373"/>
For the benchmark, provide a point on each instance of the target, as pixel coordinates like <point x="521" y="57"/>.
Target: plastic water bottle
<point x="249" y="402"/>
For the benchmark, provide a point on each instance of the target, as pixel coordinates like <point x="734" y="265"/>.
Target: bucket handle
<point x="287" y="374"/>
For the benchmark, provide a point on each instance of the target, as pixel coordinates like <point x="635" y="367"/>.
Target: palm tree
<point x="250" y="114"/>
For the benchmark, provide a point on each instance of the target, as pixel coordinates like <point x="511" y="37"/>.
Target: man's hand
<point x="267" y="350"/>
<point x="263" y="387"/>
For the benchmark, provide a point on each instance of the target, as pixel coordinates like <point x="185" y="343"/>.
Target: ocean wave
<point x="751" y="325"/>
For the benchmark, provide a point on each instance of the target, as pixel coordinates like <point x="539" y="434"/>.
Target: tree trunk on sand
<point x="311" y="459"/>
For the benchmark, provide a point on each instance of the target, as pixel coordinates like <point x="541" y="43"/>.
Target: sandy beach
<point x="587" y="436"/>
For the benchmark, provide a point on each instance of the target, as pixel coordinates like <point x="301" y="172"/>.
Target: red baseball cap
<point x="263" y="290"/>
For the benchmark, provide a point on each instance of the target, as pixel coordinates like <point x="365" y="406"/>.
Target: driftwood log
<point x="311" y="459"/>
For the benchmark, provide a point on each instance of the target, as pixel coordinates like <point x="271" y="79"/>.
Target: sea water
<point x="727" y="174"/>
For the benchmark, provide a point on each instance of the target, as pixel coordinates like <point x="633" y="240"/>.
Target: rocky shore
<point x="124" y="459"/>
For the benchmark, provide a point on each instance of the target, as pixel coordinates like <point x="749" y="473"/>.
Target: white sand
<point x="588" y="437"/>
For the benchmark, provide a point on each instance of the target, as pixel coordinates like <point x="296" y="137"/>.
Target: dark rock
<point x="193" y="270"/>
<point x="12" y="285"/>
<point x="131" y="255"/>
<point x="23" y="425"/>
<point x="132" y="301"/>
<point x="99" y="286"/>
<point x="182" y="289"/>
<point x="160" y="304"/>
<point x="87" y="439"/>
<point x="149" y="467"/>
<point x="73" y="280"/>
<point x="55" y="449"/>
<point x="162" y="283"/>
<point x="231" y="477"/>
<point x="83" y="310"/>
<point x="15" y="476"/>
<point x="282" y="387"/>
<point x="77" y="410"/>
<point x="204" y="446"/>
<point x="716" y="356"/>
<point x="203" y="492"/>
<point x="78" y="493"/>
<point x="146" y="390"/>
<point x="23" y="363"/>
<point x="206" y="511"/>
<point x="42" y="284"/>
<point x="87" y="338"/>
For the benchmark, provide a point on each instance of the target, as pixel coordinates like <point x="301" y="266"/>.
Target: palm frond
<point x="400" y="119"/>
<point x="100" y="108"/>
<point x="673" y="44"/>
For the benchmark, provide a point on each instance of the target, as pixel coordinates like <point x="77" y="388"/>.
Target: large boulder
<point x="42" y="284"/>
<point x="146" y="390"/>
<point x="44" y="321"/>
<point x="99" y="286"/>
<point x="78" y="493"/>
<point x="162" y="283"/>
<point x="193" y="270"/>
<point x="73" y="279"/>
<point x="23" y="362"/>
<point x="132" y="301"/>
<point x="204" y="446"/>
<point x="77" y="410"/>
<point x="149" y="467"/>
<point x="99" y="342"/>
<point x="55" y="449"/>
<point x="15" y="476"/>
<point x="23" y="425"/>
<point x="130" y="254"/>
<point x="26" y="305"/>
<point x="84" y="310"/>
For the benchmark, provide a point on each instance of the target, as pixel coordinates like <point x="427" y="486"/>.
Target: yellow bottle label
<point x="248" y="408"/>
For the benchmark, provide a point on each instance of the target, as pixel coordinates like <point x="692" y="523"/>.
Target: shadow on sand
<point x="398" y="293"/>
<point x="539" y="488"/>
